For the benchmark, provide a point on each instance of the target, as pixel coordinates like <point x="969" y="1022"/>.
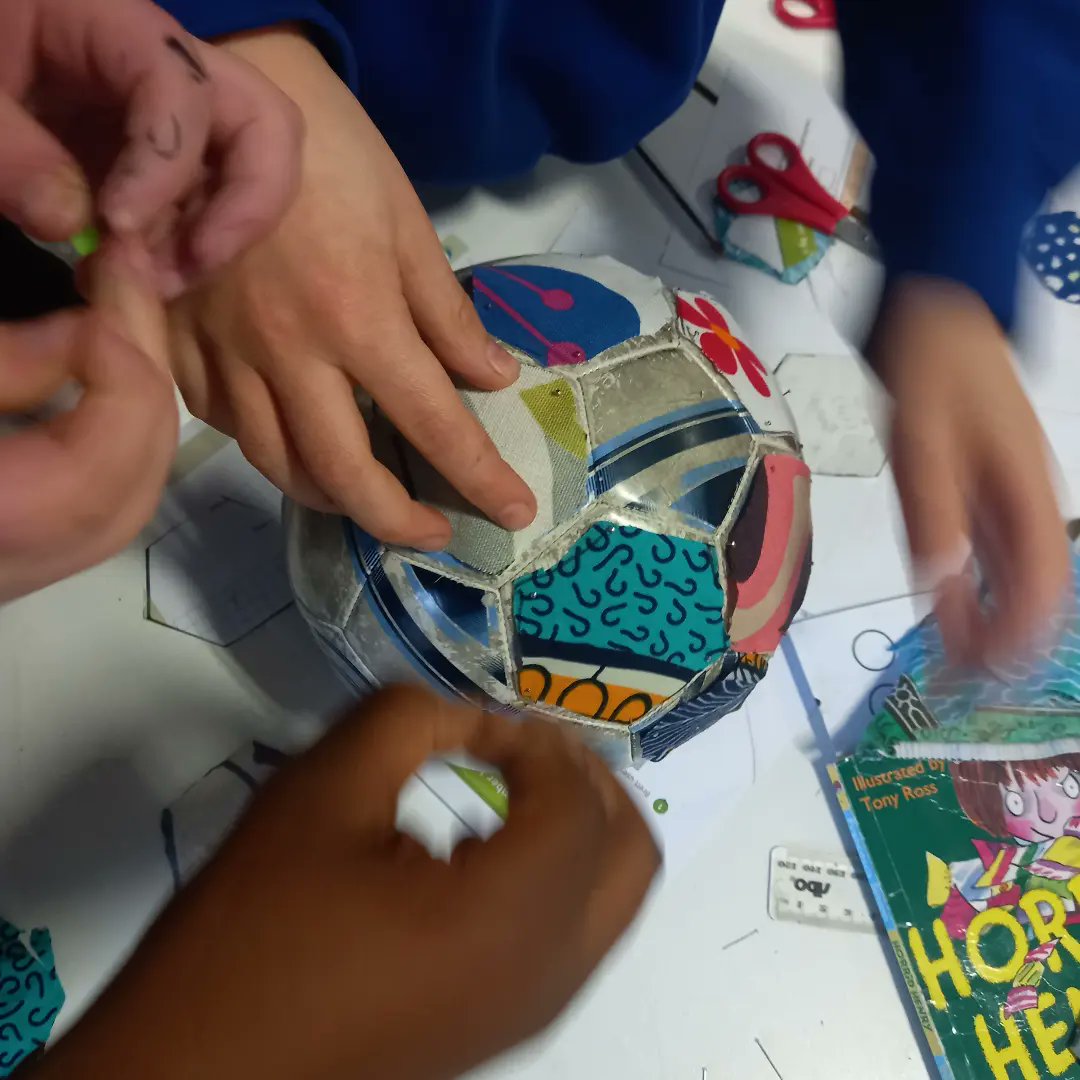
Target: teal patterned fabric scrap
<point x="1050" y="678"/>
<point x="630" y="591"/>
<point x="30" y="995"/>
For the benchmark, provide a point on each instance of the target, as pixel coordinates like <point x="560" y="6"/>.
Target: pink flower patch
<point x="725" y="351"/>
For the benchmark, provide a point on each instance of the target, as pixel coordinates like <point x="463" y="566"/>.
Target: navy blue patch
<point x="553" y="315"/>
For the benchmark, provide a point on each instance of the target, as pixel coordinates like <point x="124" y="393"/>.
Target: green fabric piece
<point x="797" y="242"/>
<point x="553" y="406"/>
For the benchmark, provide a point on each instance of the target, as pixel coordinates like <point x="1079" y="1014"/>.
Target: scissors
<point x="789" y="191"/>
<point x="820" y="16"/>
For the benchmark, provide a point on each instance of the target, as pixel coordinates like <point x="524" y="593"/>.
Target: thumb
<point x="938" y="526"/>
<point x="42" y="189"/>
<point x="119" y="285"/>
<point x="357" y="772"/>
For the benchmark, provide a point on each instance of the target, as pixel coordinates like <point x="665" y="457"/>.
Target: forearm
<point x="951" y="99"/>
<point x="212" y="19"/>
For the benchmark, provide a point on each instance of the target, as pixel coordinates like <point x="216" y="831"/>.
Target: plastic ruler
<point x="823" y="891"/>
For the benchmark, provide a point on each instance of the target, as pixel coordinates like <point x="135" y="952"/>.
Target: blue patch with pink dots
<point x="555" y="316"/>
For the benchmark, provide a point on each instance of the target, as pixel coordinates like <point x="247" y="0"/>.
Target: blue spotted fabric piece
<point x="1051" y="247"/>
<point x="553" y="315"/>
<point x="697" y="713"/>
<point x="30" y="995"/>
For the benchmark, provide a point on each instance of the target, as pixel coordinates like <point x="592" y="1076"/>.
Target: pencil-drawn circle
<point x="878" y="696"/>
<point x="872" y="650"/>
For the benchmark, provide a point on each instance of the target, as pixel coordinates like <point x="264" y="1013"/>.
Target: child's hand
<point x="971" y="466"/>
<point x="110" y="103"/>
<point x="353" y="290"/>
<point x="322" y="943"/>
<point x="76" y="488"/>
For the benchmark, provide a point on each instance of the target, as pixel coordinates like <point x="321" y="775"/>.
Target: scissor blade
<point x="852" y="231"/>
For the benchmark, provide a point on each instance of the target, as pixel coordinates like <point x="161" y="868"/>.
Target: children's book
<point x="963" y="799"/>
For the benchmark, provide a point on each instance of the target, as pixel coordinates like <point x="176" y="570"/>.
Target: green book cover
<point x="970" y="837"/>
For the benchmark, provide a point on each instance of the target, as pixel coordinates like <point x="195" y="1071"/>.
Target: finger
<point x="257" y="133"/>
<point x="444" y="314"/>
<point x="1026" y="559"/>
<point x="120" y="289"/>
<point x="629" y="862"/>
<point x="419" y="399"/>
<point x="556" y="827"/>
<point x="139" y="59"/>
<point x="329" y="432"/>
<point x="958" y="610"/>
<point x="42" y="189"/>
<point x="934" y="505"/>
<point x="34" y="360"/>
<point x="361" y="766"/>
<point x="264" y="440"/>
<point x="168" y="124"/>
<point x="75" y="488"/>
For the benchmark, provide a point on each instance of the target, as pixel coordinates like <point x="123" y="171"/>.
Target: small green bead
<point x="86" y="242"/>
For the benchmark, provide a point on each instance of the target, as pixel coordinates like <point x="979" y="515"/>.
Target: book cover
<point x="964" y="804"/>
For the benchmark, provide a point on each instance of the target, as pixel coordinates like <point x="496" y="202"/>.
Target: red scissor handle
<point x="822" y="17"/>
<point x="786" y="191"/>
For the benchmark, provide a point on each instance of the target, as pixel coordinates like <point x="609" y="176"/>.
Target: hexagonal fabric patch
<point x="657" y="421"/>
<point x="551" y="314"/>
<point x="702" y="321"/>
<point x="768" y="554"/>
<point x="620" y="623"/>
<point x="538" y="426"/>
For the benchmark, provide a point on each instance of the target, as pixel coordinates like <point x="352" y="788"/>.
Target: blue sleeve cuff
<point x="956" y="224"/>
<point x="937" y="95"/>
<point x="213" y="18"/>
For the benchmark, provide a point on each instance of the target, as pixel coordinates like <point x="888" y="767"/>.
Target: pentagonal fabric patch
<point x="769" y="554"/>
<point x="620" y="623"/>
<point x="717" y="336"/>
<point x="722" y="691"/>
<point x="554" y="315"/>
<point x="660" y="424"/>
<point x="538" y="426"/>
<point x="712" y="490"/>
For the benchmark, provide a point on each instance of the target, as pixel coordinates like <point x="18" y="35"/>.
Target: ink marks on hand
<point x="194" y="66"/>
<point x="168" y="145"/>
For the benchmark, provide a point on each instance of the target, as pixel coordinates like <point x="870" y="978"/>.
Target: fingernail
<point x="435" y="542"/>
<point x="501" y="361"/>
<point x="122" y="220"/>
<point x="59" y="200"/>
<point x="516" y="516"/>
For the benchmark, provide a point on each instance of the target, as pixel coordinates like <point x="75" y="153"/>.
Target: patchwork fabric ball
<point x="672" y="545"/>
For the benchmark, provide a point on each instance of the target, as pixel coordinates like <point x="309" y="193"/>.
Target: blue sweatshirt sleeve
<point x="213" y="18"/>
<point x="967" y="106"/>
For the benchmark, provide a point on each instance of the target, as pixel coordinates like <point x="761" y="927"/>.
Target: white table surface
<point x="106" y="718"/>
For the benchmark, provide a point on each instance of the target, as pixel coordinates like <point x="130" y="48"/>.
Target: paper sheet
<point x="839" y="411"/>
<point x="215" y="564"/>
<point x="848" y="661"/>
<point x="860" y="548"/>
